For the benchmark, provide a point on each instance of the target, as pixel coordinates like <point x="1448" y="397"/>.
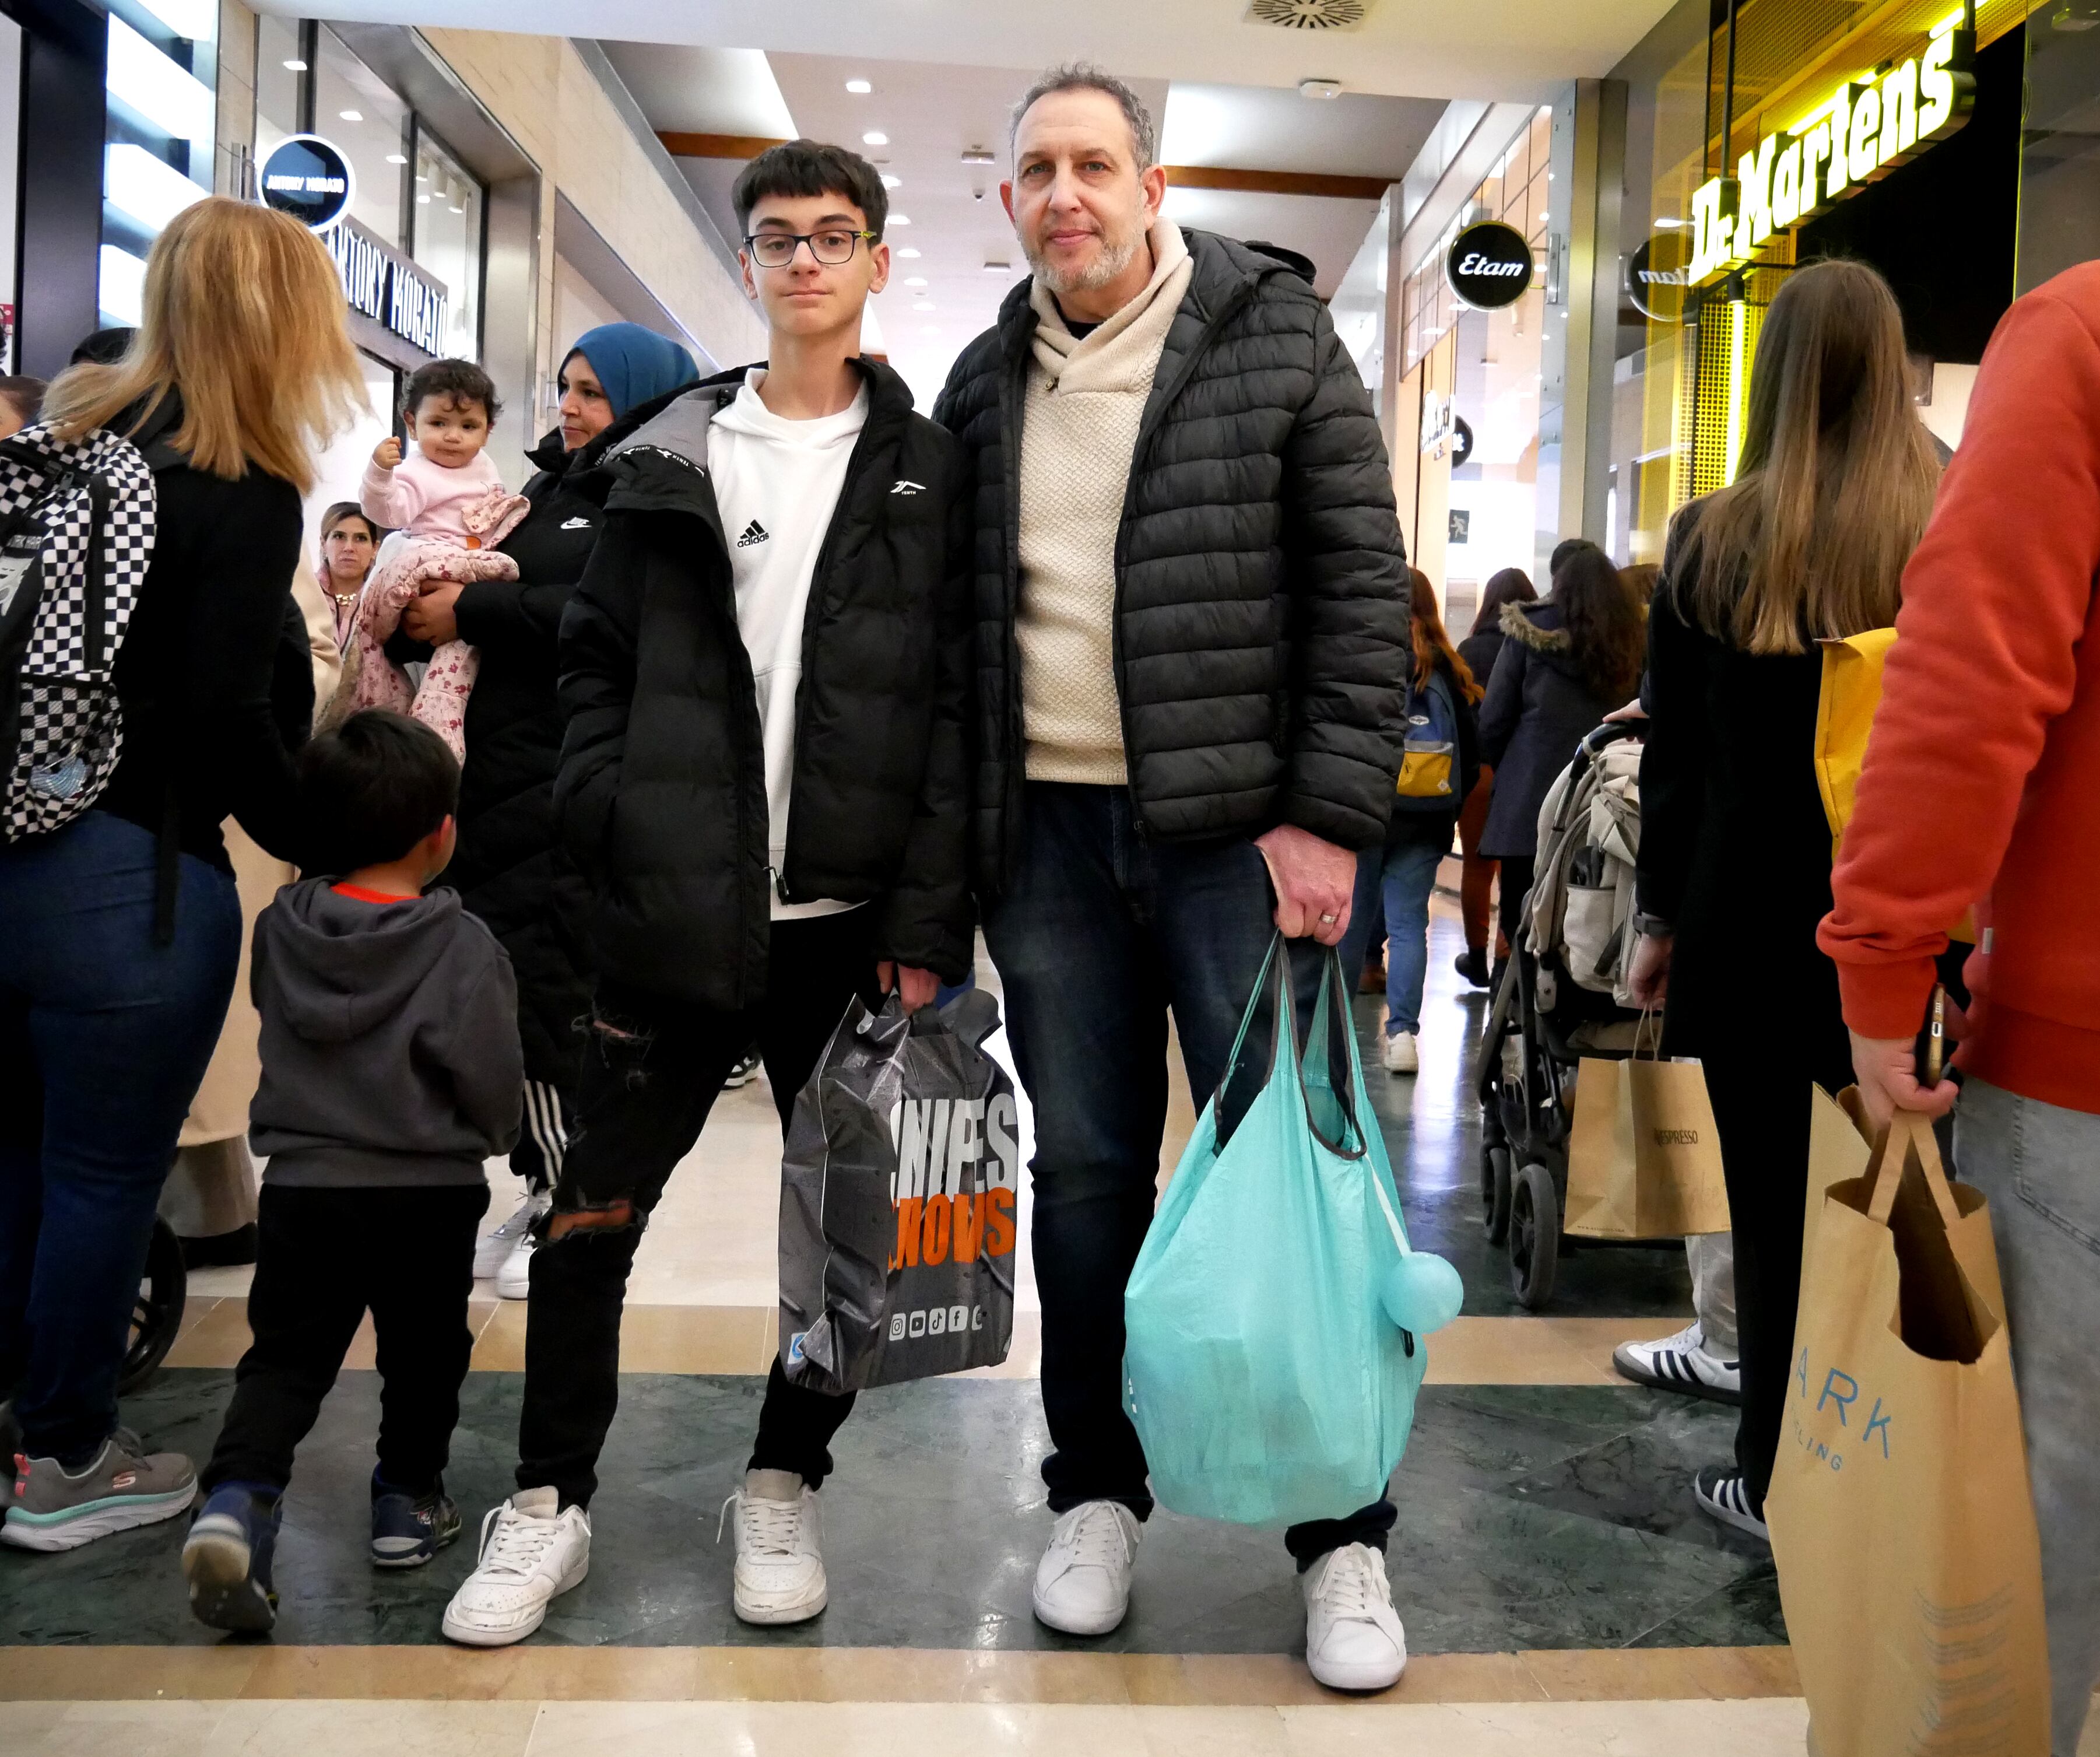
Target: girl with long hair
<point x="123" y="928"/>
<point x="1836" y="481"/>
<point x="1402" y="875"/>
<point x="1476" y="889"/>
<point x="1569" y="661"/>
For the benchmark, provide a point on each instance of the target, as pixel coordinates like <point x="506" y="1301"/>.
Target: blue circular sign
<point x="308" y="177"/>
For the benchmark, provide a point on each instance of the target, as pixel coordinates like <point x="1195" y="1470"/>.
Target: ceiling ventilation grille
<point x="1309" y="14"/>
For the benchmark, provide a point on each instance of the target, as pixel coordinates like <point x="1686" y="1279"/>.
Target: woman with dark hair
<point x="1402" y="874"/>
<point x="350" y="543"/>
<point x="1836" y="483"/>
<point x="1569" y="662"/>
<point x="510" y="868"/>
<point x="1480" y="650"/>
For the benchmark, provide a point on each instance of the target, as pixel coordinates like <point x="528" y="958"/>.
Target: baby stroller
<point x="1561" y="996"/>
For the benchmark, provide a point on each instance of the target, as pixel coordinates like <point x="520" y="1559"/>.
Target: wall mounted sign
<point x="309" y="179"/>
<point x="1655" y="292"/>
<point x="1488" y="266"/>
<point x="389" y="288"/>
<point x="1865" y="128"/>
<point x="1462" y="440"/>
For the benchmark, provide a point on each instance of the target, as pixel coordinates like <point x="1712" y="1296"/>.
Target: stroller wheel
<point x="1495" y="1181"/>
<point x="157" y="1312"/>
<point x="1534" y="1236"/>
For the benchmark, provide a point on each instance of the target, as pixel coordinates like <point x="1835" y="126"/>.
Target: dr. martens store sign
<point x="1869" y="125"/>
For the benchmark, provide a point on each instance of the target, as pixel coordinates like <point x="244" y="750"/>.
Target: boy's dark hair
<point x="26" y="395"/>
<point x="460" y="379"/>
<point x="371" y="789"/>
<point x="811" y="167"/>
<point x="1563" y="551"/>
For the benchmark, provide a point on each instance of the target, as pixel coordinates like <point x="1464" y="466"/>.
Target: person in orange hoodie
<point x="1982" y="786"/>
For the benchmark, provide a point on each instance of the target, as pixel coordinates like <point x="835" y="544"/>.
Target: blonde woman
<point x="1836" y="481"/>
<point x="122" y="928"/>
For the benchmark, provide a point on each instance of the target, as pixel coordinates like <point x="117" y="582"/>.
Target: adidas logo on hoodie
<point x="753" y="533"/>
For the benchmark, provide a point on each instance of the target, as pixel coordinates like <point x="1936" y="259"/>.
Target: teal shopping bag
<point x="1275" y="1318"/>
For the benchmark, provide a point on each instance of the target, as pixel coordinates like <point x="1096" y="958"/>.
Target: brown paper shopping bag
<point x="1840" y="1144"/>
<point x="1910" y="1568"/>
<point x="1643" y="1158"/>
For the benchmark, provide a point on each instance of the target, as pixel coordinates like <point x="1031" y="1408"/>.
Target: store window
<point x="447" y="216"/>
<point x="364" y="117"/>
<point x="159" y="135"/>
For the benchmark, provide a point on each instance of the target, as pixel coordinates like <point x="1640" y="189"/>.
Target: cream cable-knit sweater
<point x="1086" y="399"/>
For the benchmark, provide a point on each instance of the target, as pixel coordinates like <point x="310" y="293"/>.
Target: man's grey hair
<point x="1083" y="76"/>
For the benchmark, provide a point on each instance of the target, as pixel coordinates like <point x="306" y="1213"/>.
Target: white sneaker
<point x="531" y="1552"/>
<point x="1353" y="1639"/>
<point x="779" y="1565"/>
<point x="496" y="1247"/>
<point x="1399" y="1054"/>
<point x="513" y="1276"/>
<point x="1681" y="1363"/>
<point x="1083" y="1582"/>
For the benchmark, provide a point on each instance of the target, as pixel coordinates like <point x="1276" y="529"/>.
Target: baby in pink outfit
<point x="447" y="506"/>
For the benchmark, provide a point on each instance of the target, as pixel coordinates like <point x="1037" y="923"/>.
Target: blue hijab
<point x="634" y="364"/>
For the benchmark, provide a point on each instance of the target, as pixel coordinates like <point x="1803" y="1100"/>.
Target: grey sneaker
<point x="124" y="1486"/>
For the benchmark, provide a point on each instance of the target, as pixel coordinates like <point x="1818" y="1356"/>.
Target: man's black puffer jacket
<point x="1261" y="635"/>
<point x="661" y="792"/>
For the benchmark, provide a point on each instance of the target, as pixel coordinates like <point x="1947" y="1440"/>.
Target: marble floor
<point x="1561" y="1594"/>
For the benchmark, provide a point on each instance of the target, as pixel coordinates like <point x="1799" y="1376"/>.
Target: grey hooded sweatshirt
<point x="390" y="1041"/>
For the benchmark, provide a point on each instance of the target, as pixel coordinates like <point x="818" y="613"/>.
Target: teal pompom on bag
<point x="1272" y="1352"/>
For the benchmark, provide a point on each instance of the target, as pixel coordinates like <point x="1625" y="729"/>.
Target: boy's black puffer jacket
<point x="662" y="791"/>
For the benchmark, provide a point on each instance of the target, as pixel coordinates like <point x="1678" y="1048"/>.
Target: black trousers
<point x="324" y="1257"/>
<point x="1517" y="872"/>
<point x="652" y="1072"/>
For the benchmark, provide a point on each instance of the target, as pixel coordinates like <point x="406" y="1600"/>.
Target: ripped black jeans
<point x="651" y="1073"/>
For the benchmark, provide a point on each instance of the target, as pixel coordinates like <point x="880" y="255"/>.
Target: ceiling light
<point x="902" y="219"/>
<point x="914" y="281"/>
<point x="1667" y="222"/>
<point x="295" y="67"/>
<point x="423" y="177"/>
<point x="352" y="116"/>
<point x="889" y="182"/>
<point x="924" y="305"/>
<point x="397" y="158"/>
<point x="860" y="88"/>
<point x="1319" y="88"/>
<point x="978" y="156"/>
<point x="907" y="252"/>
<point x="459" y="210"/>
<point x="875" y="137"/>
<point x="999" y="268"/>
<point x="422" y="200"/>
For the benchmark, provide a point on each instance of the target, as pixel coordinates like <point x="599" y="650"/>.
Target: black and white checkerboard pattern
<point x="68" y="728"/>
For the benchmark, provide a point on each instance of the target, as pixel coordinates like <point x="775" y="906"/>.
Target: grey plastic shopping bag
<point x="896" y="1201"/>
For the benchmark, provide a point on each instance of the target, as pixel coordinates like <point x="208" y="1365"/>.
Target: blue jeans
<point x="1102" y="934"/>
<point x="104" y="1034"/>
<point x="1402" y="875"/>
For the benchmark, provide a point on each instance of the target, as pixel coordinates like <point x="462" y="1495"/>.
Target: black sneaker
<point x="1472" y="965"/>
<point x="226" y="1558"/>
<point x="1722" y="1495"/>
<point x="745" y="1071"/>
<point x="409" y="1530"/>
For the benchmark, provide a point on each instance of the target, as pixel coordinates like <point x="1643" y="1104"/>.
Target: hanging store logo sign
<point x="1865" y="127"/>
<point x="309" y="179"/>
<point x="1489" y="265"/>
<point x="1656" y="292"/>
<point x="388" y="288"/>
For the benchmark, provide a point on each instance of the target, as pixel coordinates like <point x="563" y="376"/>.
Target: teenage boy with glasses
<point x="765" y="670"/>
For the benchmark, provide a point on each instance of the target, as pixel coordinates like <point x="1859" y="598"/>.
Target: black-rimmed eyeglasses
<point x="776" y="249"/>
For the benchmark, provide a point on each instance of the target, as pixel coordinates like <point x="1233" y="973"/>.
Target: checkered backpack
<point x="76" y="534"/>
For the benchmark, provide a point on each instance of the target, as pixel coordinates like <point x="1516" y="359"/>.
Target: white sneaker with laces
<point x="1681" y="1363"/>
<point x="1353" y="1639"/>
<point x="533" y="1551"/>
<point x="514" y="1278"/>
<point x="1083" y="1582"/>
<point x="1399" y="1054"/>
<point x="495" y="1248"/>
<point x="779" y="1561"/>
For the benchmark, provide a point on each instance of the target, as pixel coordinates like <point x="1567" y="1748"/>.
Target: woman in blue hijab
<point x="510" y="868"/>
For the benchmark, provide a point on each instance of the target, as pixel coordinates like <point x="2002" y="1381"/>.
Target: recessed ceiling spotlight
<point x="352" y="116"/>
<point x="979" y="156"/>
<point x="914" y="281"/>
<point x="907" y="252"/>
<point x="924" y="305"/>
<point x="875" y="137"/>
<point x="295" y="67"/>
<point x="1667" y="222"/>
<point x="889" y="182"/>
<point x="999" y="268"/>
<point x="902" y="219"/>
<point x="1319" y="88"/>
<point x="860" y="88"/>
<point x="397" y="158"/>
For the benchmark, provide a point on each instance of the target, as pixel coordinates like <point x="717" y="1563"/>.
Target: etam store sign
<point x="1864" y="128"/>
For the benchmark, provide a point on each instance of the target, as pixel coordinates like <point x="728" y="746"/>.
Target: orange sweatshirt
<point x="1982" y="783"/>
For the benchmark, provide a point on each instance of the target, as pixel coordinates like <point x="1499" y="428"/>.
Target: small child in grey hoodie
<point x="391" y="1070"/>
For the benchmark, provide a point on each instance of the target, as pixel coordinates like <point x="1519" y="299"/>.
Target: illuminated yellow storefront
<point x="1785" y="109"/>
